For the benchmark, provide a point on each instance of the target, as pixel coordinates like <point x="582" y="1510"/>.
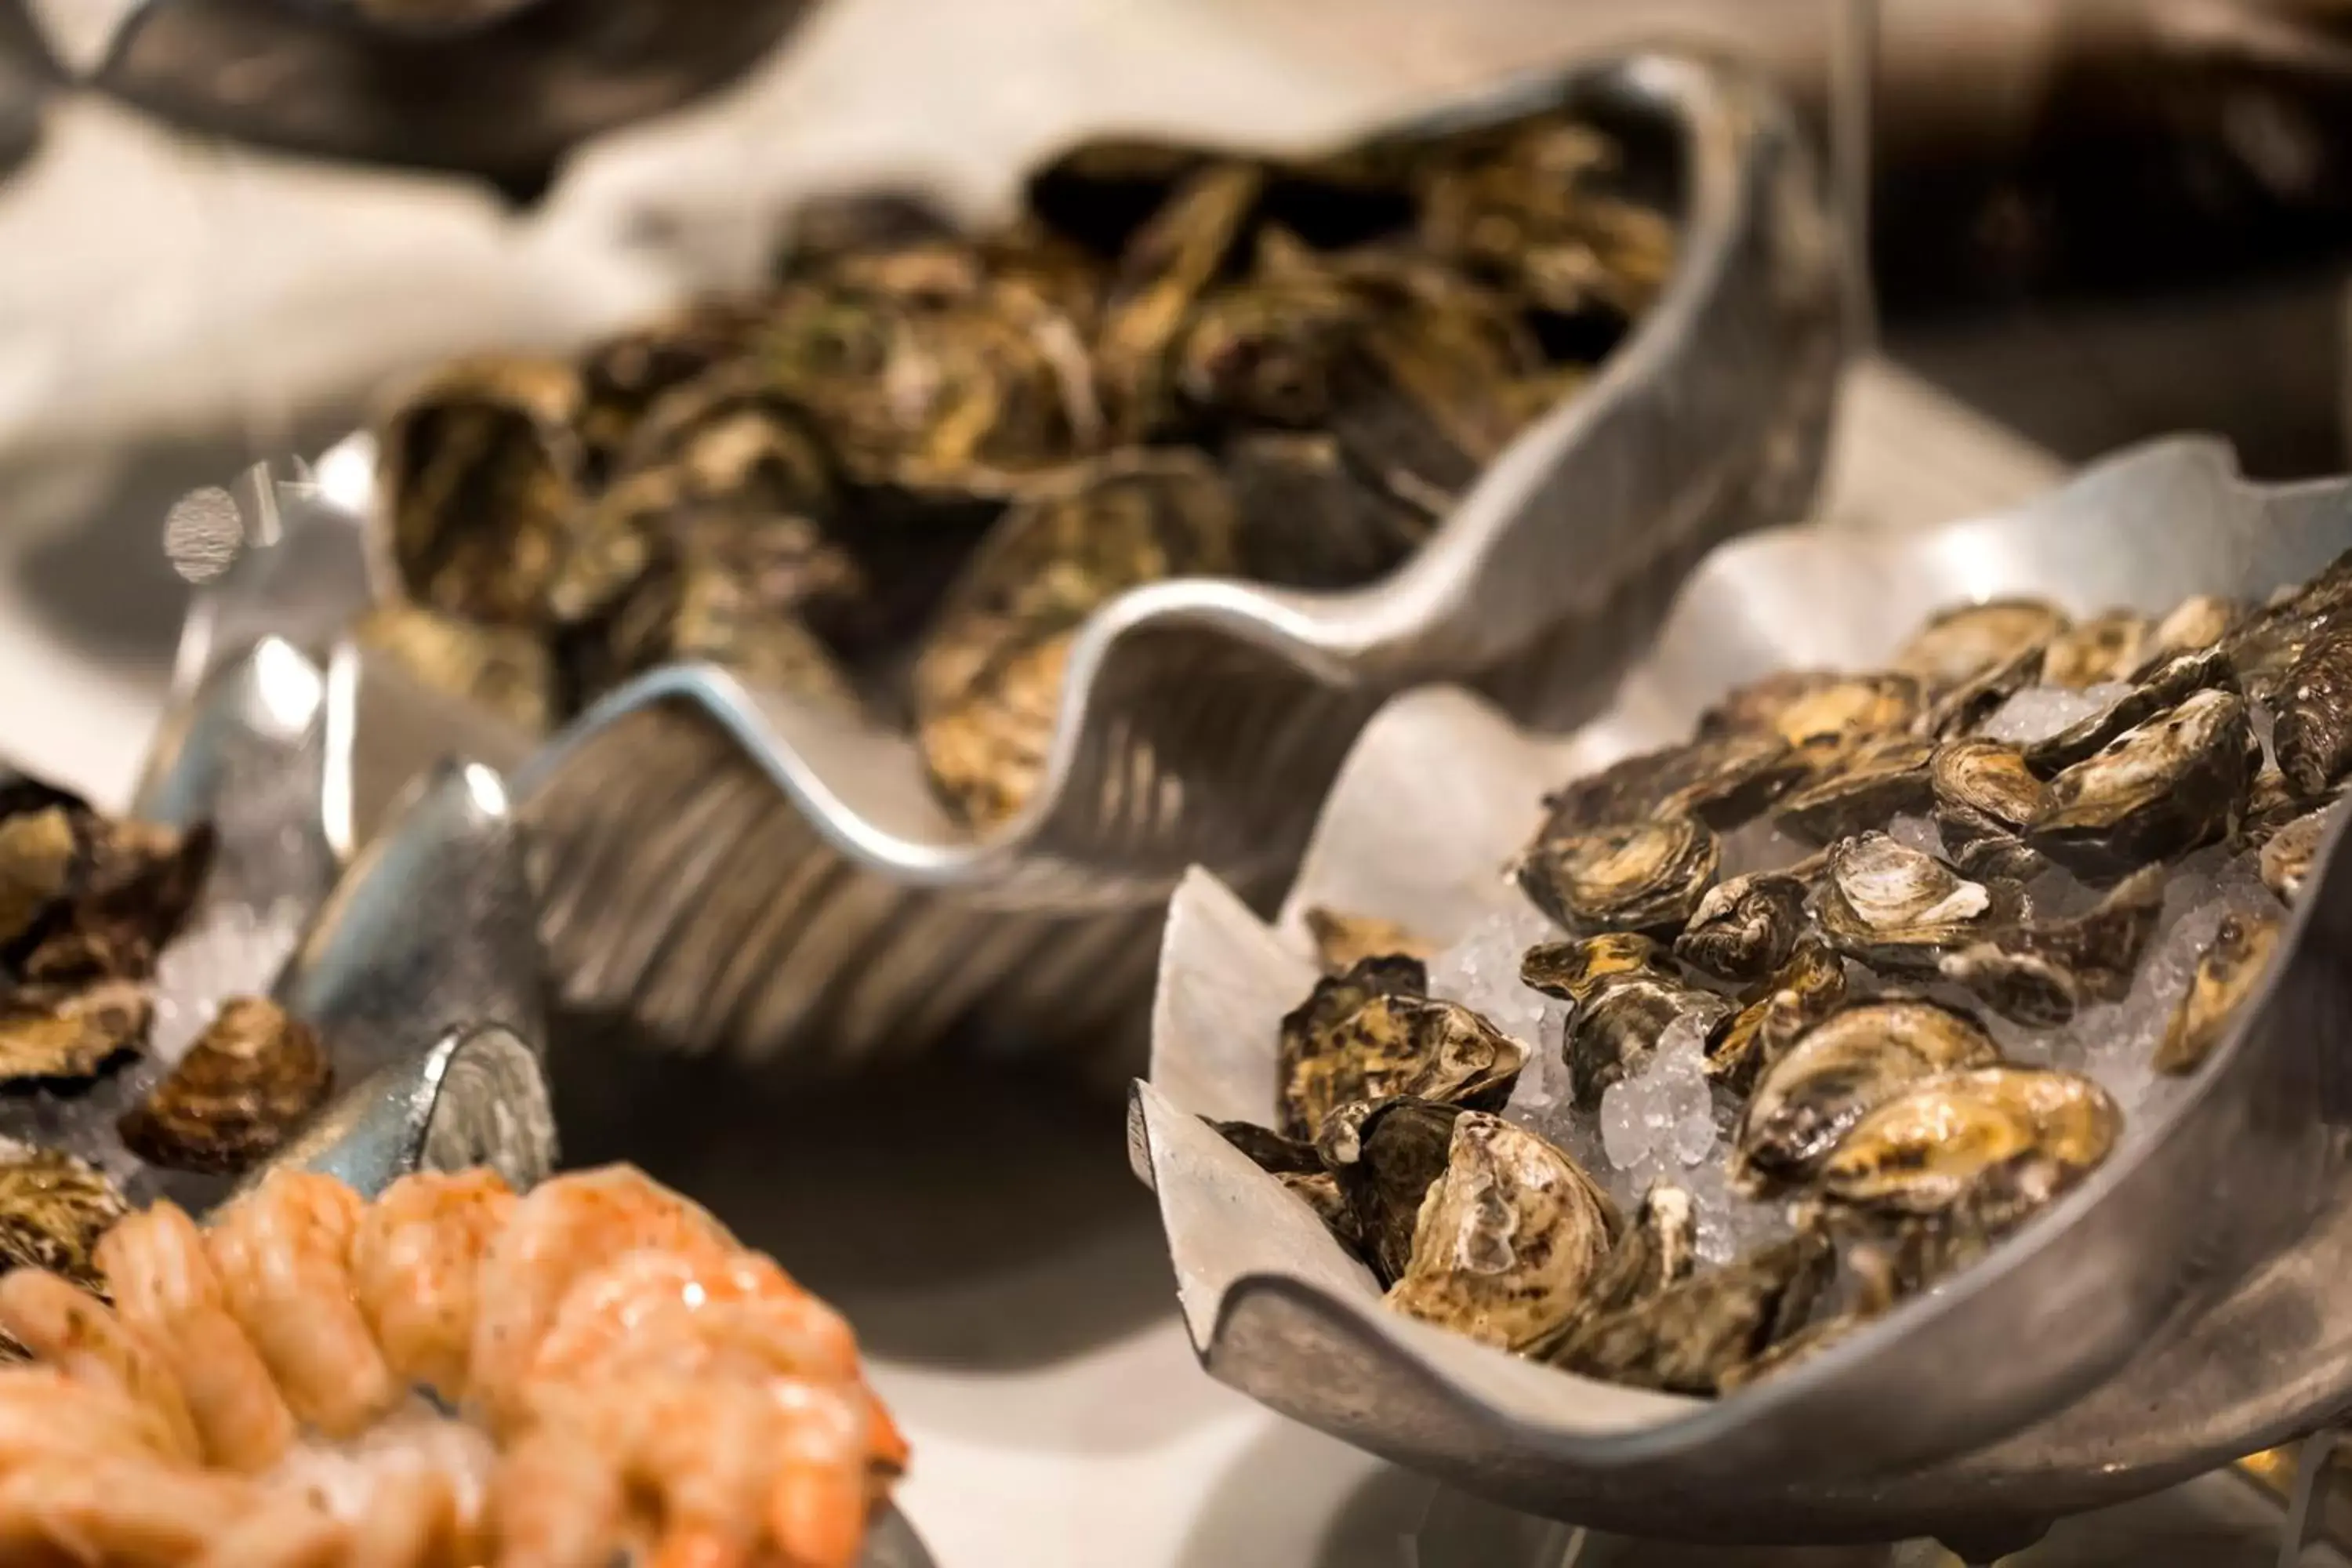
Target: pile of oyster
<point x="901" y="479"/>
<point x="1810" y="1011"/>
<point x="89" y="905"/>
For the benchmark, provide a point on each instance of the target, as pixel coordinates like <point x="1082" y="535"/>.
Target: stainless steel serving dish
<point x="2181" y="1309"/>
<point x="734" y="870"/>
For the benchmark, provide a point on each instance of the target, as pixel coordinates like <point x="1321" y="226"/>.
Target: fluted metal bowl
<point x="2183" y="1307"/>
<point x="732" y="869"/>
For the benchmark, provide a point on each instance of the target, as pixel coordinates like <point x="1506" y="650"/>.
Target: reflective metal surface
<point x="735" y="870"/>
<point x="2182" y="1309"/>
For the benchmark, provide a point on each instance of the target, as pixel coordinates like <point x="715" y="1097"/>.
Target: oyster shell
<point x="1644" y="877"/>
<point x="1310" y="519"/>
<point x="1343" y="941"/>
<point x="1856" y="1058"/>
<point x="1745" y="928"/>
<point x="1573" y="971"/>
<point x="58" y="1032"/>
<point x="1164" y="270"/>
<point x="2313" y="736"/>
<point x="53" y="1209"/>
<point x="1509" y="1238"/>
<point x="1899" y="910"/>
<point x="2199" y="621"/>
<point x="2107" y="648"/>
<point x="1959" y="645"/>
<point x="244" y="1088"/>
<point x="2175" y="782"/>
<point x="1812" y="705"/>
<point x="1980" y="1149"/>
<point x="1691" y="1336"/>
<point x="2040" y="971"/>
<point x="1775" y="1013"/>
<point x="1384" y="1169"/>
<point x="44" y="854"/>
<point x="2271" y="805"/>
<point x="1314" y="1069"/>
<point x="2286" y="856"/>
<point x="1656" y="1250"/>
<point x="987" y="682"/>
<point x="1396" y="1045"/>
<point x="1724" y="781"/>
<point x="484" y="479"/>
<point x="1986" y="797"/>
<point x="2233" y="965"/>
<point x="1962" y="709"/>
<point x="1878" y="780"/>
<point x="1623" y="1016"/>
<point x="506" y="669"/>
<point x="140" y="882"/>
<point x="623" y="375"/>
<point x="2166" y="685"/>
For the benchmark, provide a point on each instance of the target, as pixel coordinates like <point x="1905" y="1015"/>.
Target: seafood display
<point x="898" y="482"/>
<point x="107" y="1080"/>
<point x="451" y="1373"/>
<point x="1809" y="1012"/>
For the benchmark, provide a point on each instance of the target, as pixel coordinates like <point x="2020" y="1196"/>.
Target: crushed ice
<point x="2038" y="713"/>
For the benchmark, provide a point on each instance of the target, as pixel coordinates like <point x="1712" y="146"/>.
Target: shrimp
<point x="283" y="1254"/>
<point x="71" y="1330"/>
<point x="414" y="1261"/>
<point x="411" y="1519"/>
<point x="285" y="1530"/>
<point x="564" y="1228"/>
<point x="821" y="1492"/>
<point x="129" y="1512"/>
<point x="44" y="1412"/>
<point x="692" y="1314"/>
<point x="557" y="1502"/>
<point x="164" y="1287"/>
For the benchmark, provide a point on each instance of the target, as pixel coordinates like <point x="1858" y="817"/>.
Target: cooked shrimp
<point x="415" y="1260"/>
<point x="73" y="1331"/>
<point x="563" y="1228"/>
<point x="163" y="1285"/>
<point x="286" y="1530"/>
<point x="692" y="1313"/>
<point x="132" y="1512"/>
<point x="44" y="1412"/>
<point x="820" y="1493"/>
<point x="558" y="1502"/>
<point x="411" y="1519"/>
<point x="283" y="1253"/>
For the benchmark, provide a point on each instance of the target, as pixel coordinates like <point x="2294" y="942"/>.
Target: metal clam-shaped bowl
<point x="2181" y="1309"/>
<point x="416" y="959"/>
<point x="735" y="869"/>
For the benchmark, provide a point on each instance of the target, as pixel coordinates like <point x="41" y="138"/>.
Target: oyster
<point x="1809" y="706"/>
<point x="85" y="897"/>
<point x="2040" y="971"/>
<point x="1166" y="267"/>
<point x="484" y="477"/>
<point x="1573" y="971"/>
<point x="1390" y="1044"/>
<point x="1986" y="797"/>
<point x="1980" y="1149"/>
<point x="1620" y="1021"/>
<point x="1723" y="782"/>
<point x="245" y="1086"/>
<point x="2286" y="856"/>
<point x="1314" y="1071"/>
<point x="1962" y="709"/>
<point x="1656" y="1250"/>
<point x="1879" y="779"/>
<point x="988" y="681"/>
<point x="1507" y="1238"/>
<point x="1856" y="1058"/>
<point x="623" y="375"/>
<point x="2166" y="685"/>
<point x="44" y="853"/>
<point x="2199" y="621"/>
<point x="1960" y="644"/>
<point x="1691" y="1336"/>
<point x="2313" y="736"/>
<point x="506" y="669"/>
<point x="2175" y="782"/>
<point x="70" y="1032"/>
<point x="1899" y="910"/>
<point x="2271" y="805"/>
<point x="53" y="1209"/>
<point x="1775" y="1013"/>
<point x="1384" y="1169"/>
<point x="1644" y="877"/>
<point x="2227" y="971"/>
<point x="1343" y="941"/>
<point x="1309" y="519"/>
<point x="1299" y="1169"/>
<point x="2107" y="648"/>
<point x="1745" y="928"/>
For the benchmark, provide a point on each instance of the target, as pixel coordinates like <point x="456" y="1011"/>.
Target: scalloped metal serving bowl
<point x="2185" y="1307"/>
<point x="729" y="868"/>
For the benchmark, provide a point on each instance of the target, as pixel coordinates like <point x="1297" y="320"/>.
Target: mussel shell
<point x="1984" y="1147"/>
<point x="1396" y="1153"/>
<point x="2165" y="685"/>
<point x="1775" y="1013"/>
<point x="1857" y="1057"/>
<point x="2313" y="736"/>
<point x="1342" y="941"/>
<point x="2040" y="971"/>
<point x="63" y="1033"/>
<point x="1619" y="1025"/>
<point x="53" y="1209"/>
<point x="2286" y="856"/>
<point x="1745" y="928"/>
<point x="1724" y="781"/>
<point x="2107" y="648"/>
<point x="2174" y="783"/>
<point x="1509" y="1238"/>
<point x="1899" y="910"/>
<point x="1694" y="1335"/>
<point x="1314" y="1065"/>
<point x="2233" y="965"/>
<point x="242" y="1089"/>
<point x="1573" y="971"/>
<point x="1809" y="706"/>
<point x="1959" y="645"/>
<point x="504" y="670"/>
<point x="1877" y="781"/>
<point x="1644" y="876"/>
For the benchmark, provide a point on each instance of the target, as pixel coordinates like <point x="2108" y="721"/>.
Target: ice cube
<point x="1918" y="833"/>
<point x="2037" y="712"/>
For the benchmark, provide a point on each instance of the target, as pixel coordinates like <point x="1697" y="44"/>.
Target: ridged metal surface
<point x="2184" y="1308"/>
